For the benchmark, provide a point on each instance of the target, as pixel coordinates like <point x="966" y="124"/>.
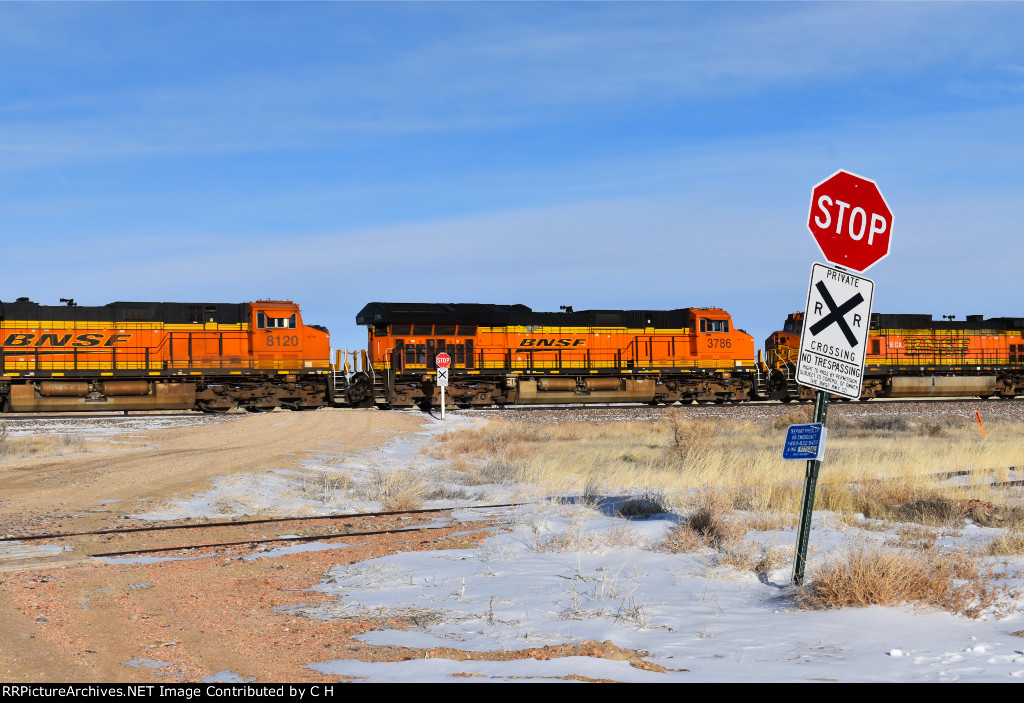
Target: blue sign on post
<point x="805" y="442"/>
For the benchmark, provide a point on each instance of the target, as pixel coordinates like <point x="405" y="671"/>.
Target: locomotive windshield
<point x="265" y="321"/>
<point x="714" y="325"/>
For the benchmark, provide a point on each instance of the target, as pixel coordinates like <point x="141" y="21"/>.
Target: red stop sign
<point x="850" y="220"/>
<point x="443" y="360"/>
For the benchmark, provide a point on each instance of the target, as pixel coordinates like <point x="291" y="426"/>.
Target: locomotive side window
<point x="422" y="330"/>
<point x="446" y="330"/>
<point x="403" y="330"/>
<point x="467" y="330"/>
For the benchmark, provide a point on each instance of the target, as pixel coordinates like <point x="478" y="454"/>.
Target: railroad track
<point x="350" y="531"/>
<point x="745" y="404"/>
<point x="135" y="415"/>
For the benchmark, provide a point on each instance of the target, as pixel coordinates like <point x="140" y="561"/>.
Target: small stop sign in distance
<point x="850" y="220"/>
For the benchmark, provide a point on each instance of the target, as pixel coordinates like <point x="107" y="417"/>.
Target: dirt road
<point x="79" y="620"/>
<point x="85" y="491"/>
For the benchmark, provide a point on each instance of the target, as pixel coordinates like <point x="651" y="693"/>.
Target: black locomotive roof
<point x="121" y="311"/>
<point x="883" y="321"/>
<point x="488" y="315"/>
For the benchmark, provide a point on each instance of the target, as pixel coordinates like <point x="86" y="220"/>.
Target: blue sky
<point x="600" y="155"/>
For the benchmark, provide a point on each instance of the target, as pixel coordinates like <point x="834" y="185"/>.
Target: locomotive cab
<point x="714" y="337"/>
<point x="279" y="339"/>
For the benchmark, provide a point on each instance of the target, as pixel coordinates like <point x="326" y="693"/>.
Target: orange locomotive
<point x="511" y="354"/>
<point x="160" y="356"/>
<point x="916" y="356"/>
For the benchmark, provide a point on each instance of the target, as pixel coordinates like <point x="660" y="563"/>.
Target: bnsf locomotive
<point x="512" y="354"/>
<point x="161" y="356"/>
<point x="916" y="356"/>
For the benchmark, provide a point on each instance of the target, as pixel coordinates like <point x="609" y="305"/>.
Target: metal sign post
<point x="803" y="534"/>
<point x="443" y="361"/>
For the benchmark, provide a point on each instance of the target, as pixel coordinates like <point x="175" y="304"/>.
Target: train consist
<point x="161" y="356"/>
<point x="260" y="356"/>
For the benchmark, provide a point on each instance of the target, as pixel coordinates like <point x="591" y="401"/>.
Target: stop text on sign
<point x="857" y="222"/>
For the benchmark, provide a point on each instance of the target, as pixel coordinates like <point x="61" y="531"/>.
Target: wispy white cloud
<point x="525" y="68"/>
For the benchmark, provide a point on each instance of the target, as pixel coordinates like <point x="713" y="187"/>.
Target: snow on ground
<point x="566" y="572"/>
<point x="700" y="622"/>
<point x="102" y="427"/>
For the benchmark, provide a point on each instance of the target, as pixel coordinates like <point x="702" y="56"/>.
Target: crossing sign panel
<point x="834" y="339"/>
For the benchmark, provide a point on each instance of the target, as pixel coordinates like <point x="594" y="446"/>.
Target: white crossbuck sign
<point x="442" y="377"/>
<point x="834" y="339"/>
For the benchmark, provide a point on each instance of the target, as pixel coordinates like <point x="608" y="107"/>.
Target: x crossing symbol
<point x="835" y="314"/>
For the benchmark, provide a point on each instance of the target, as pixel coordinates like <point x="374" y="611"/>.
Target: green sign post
<point x="803" y="534"/>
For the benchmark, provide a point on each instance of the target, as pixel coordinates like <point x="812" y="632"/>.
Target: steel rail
<point x="237" y="523"/>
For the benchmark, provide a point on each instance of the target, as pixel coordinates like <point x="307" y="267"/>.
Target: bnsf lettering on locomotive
<point x="54" y="340"/>
<point x="115" y="338"/>
<point x="926" y="346"/>
<point x="25" y="339"/>
<point x="542" y="342"/>
<point x="18" y="340"/>
<point x="87" y="340"/>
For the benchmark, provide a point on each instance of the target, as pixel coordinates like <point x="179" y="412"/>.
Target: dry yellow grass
<point x="396" y="490"/>
<point x="873" y="575"/>
<point x="1007" y="544"/>
<point x="878" y="470"/>
<point x="43" y="446"/>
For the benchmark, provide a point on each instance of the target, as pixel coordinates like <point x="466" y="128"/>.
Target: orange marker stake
<point x="982" y="426"/>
